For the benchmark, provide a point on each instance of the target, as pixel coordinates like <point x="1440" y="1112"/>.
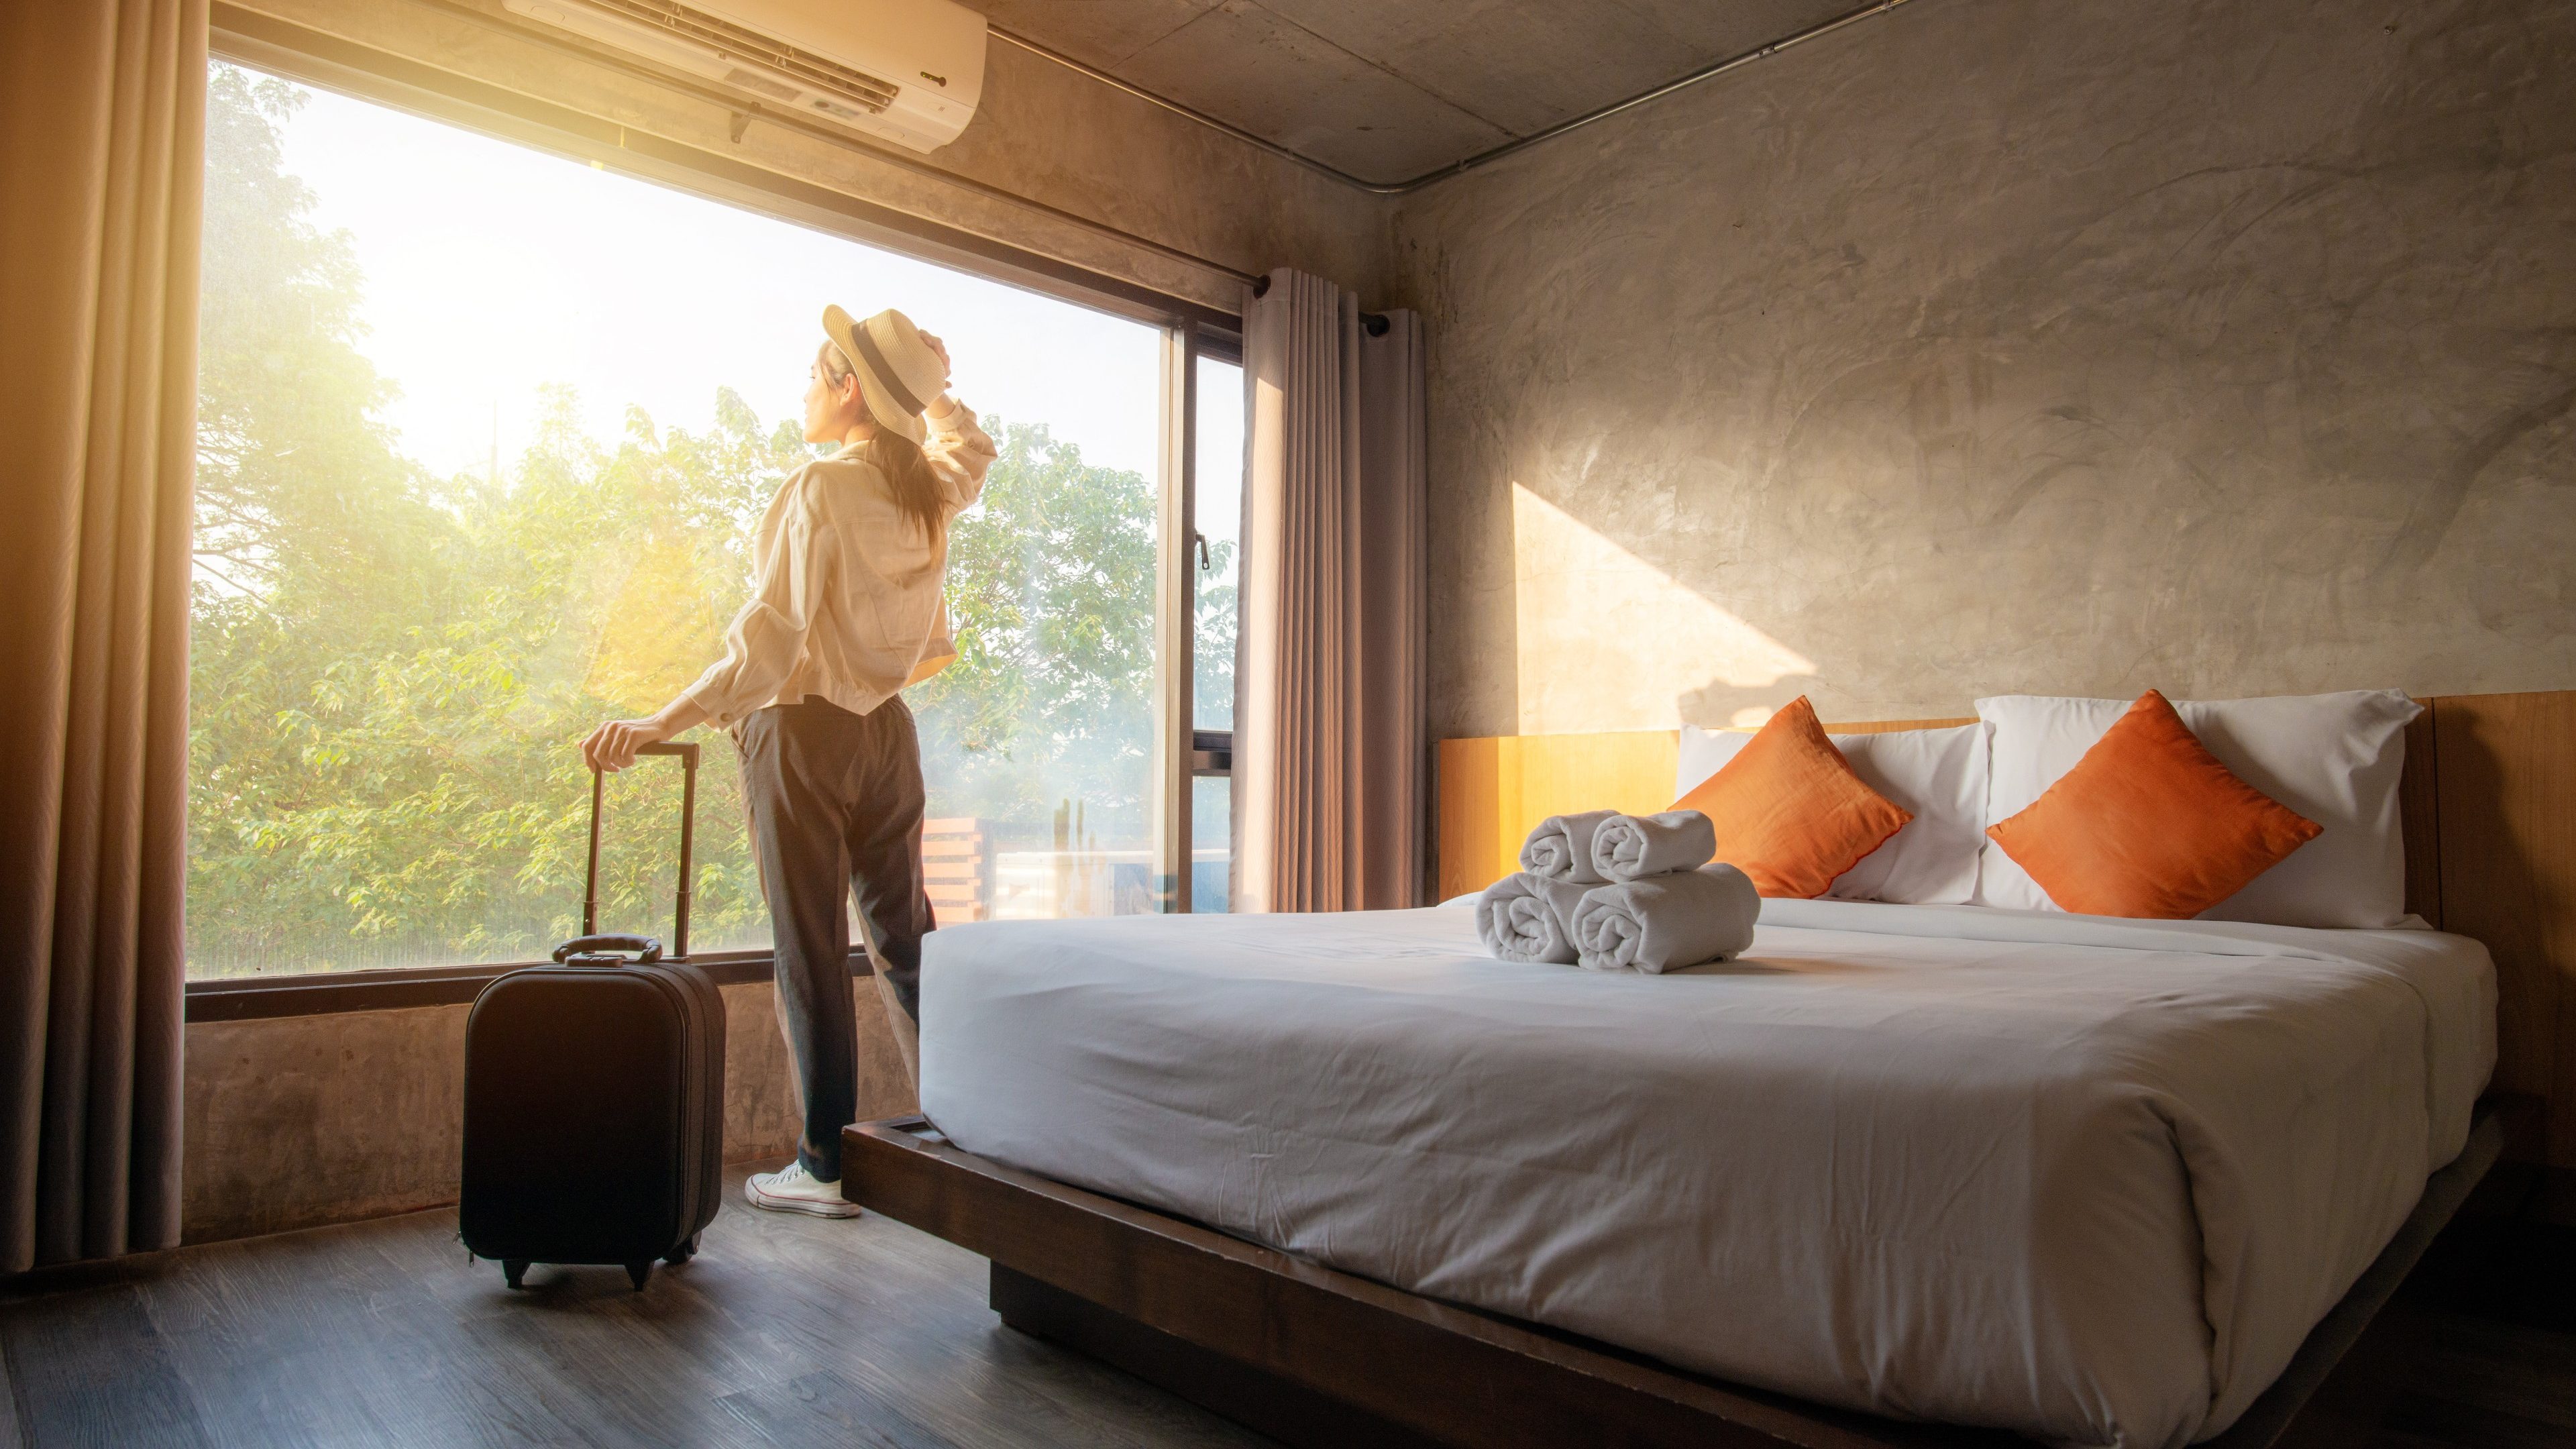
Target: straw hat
<point x="898" y="373"/>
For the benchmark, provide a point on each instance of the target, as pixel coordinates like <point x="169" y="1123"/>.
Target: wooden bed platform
<point x="1316" y="1357"/>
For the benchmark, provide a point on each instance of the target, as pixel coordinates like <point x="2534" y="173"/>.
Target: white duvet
<point x="2090" y="1180"/>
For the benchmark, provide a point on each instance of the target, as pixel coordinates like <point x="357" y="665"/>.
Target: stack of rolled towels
<point x="1613" y="892"/>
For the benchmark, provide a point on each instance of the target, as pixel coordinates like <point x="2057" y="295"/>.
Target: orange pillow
<point x="2150" y="824"/>
<point x="1789" y="811"/>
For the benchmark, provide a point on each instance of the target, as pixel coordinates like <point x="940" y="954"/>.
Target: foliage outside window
<point x="391" y="668"/>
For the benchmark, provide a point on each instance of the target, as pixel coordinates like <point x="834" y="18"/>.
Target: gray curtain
<point x="1329" y="755"/>
<point x="102" y="122"/>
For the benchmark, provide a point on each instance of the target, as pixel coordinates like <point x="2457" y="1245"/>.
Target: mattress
<point x="2089" y="1180"/>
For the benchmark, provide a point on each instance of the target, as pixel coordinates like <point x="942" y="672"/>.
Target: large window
<point x="484" y="435"/>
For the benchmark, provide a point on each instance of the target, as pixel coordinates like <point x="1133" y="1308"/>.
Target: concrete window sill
<point x="251" y="998"/>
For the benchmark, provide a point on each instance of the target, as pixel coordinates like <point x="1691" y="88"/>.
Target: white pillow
<point x="1939" y="775"/>
<point x="2334" y="758"/>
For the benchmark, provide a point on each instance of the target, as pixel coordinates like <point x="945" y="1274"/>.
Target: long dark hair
<point x="898" y="460"/>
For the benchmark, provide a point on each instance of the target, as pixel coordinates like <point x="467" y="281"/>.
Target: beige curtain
<point x="1329" y="755"/>
<point x="102" y="121"/>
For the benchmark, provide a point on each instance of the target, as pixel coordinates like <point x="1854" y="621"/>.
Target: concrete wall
<point x="2017" y="345"/>
<point x="304" y="1120"/>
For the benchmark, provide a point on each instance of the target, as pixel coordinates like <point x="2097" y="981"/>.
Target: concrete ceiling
<point x="1387" y="90"/>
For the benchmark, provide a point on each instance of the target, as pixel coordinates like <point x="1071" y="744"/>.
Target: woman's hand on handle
<point x="613" y="746"/>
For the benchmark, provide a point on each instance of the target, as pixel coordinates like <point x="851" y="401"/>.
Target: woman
<point x="846" y="609"/>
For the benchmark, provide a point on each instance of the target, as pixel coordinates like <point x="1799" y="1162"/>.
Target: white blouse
<point x="847" y="599"/>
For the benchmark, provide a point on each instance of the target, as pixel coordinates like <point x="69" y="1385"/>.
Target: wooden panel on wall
<point x="1491" y="791"/>
<point x="2508" y="878"/>
<point x="2419" y="802"/>
<point x="1883" y="726"/>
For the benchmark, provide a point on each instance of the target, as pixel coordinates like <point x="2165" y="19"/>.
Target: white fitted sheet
<point x="2091" y="1180"/>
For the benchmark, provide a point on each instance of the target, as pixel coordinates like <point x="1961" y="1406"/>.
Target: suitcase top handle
<point x="688" y="756"/>
<point x="605" y="951"/>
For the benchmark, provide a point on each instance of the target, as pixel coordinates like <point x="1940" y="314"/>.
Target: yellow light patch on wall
<point x="1608" y="641"/>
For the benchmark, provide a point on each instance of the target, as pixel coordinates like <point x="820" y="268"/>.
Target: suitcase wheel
<point x="514" y="1269"/>
<point x="637" y="1273"/>
<point x="688" y="1249"/>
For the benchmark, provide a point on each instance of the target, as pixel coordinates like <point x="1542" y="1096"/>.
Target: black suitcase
<point x="594" y="1093"/>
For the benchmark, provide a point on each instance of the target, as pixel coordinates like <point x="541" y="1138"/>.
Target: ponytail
<point x="908" y="477"/>
<point x="898" y="460"/>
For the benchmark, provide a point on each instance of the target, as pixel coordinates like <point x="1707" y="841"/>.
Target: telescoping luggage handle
<point x="647" y="949"/>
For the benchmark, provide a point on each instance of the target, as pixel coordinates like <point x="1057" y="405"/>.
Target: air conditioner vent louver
<point x="824" y="61"/>
<point x="774" y="89"/>
<point x="860" y="89"/>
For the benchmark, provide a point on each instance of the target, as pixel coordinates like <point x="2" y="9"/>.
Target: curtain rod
<point x="1454" y="168"/>
<point x="1375" y="322"/>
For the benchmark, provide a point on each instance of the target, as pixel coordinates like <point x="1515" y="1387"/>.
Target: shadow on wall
<point x="2010" y="346"/>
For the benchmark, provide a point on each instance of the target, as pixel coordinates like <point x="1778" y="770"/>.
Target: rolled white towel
<point x="1561" y="847"/>
<point x="1665" y="922"/>
<point x="1525" y="918"/>
<point x="1630" y="847"/>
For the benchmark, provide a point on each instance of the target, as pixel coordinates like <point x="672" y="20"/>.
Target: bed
<point x="1900" y="1169"/>
<point x="2091" y="1182"/>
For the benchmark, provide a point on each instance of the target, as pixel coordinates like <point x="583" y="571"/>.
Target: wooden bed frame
<point x="1317" y="1357"/>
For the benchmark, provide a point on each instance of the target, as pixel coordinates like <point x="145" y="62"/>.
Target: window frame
<point x="318" y="58"/>
<point x="1175" y="622"/>
<point x="1183" y="753"/>
<point x="1201" y="754"/>
<point x="1211" y="752"/>
<point x="328" y="62"/>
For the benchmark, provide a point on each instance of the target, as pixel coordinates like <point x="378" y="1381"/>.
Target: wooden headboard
<point x="2490" y="804"/>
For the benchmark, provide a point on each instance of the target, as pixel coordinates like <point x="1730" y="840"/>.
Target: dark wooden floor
<point x="786" y="1330"/>
<point x="795" y="1331"/>
<point x="2496" y="1305"/>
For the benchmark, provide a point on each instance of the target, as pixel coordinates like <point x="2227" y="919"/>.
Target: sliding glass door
<point x="1217" y="545"/>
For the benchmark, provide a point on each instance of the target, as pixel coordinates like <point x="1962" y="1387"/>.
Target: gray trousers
<point x="836" y="802"/>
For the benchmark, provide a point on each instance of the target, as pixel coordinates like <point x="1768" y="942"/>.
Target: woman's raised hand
<point x="945" y="366"/>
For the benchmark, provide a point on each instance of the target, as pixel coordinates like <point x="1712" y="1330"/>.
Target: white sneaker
<point x="792" y="1189"/>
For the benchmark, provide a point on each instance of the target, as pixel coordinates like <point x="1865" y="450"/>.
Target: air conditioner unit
<point x="907" y="71"/>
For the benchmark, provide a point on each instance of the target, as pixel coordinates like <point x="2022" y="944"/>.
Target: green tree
<point x="1212" y="684"/>
<point x="314" y="538"/>
<point x="391" y="671"/>
<point x="1050" y="582"/>
<point x="446" y="807"/>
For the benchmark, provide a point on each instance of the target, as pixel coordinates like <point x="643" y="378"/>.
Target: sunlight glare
<point x="1608" y="641"/>
<point x="637" y="295"/>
